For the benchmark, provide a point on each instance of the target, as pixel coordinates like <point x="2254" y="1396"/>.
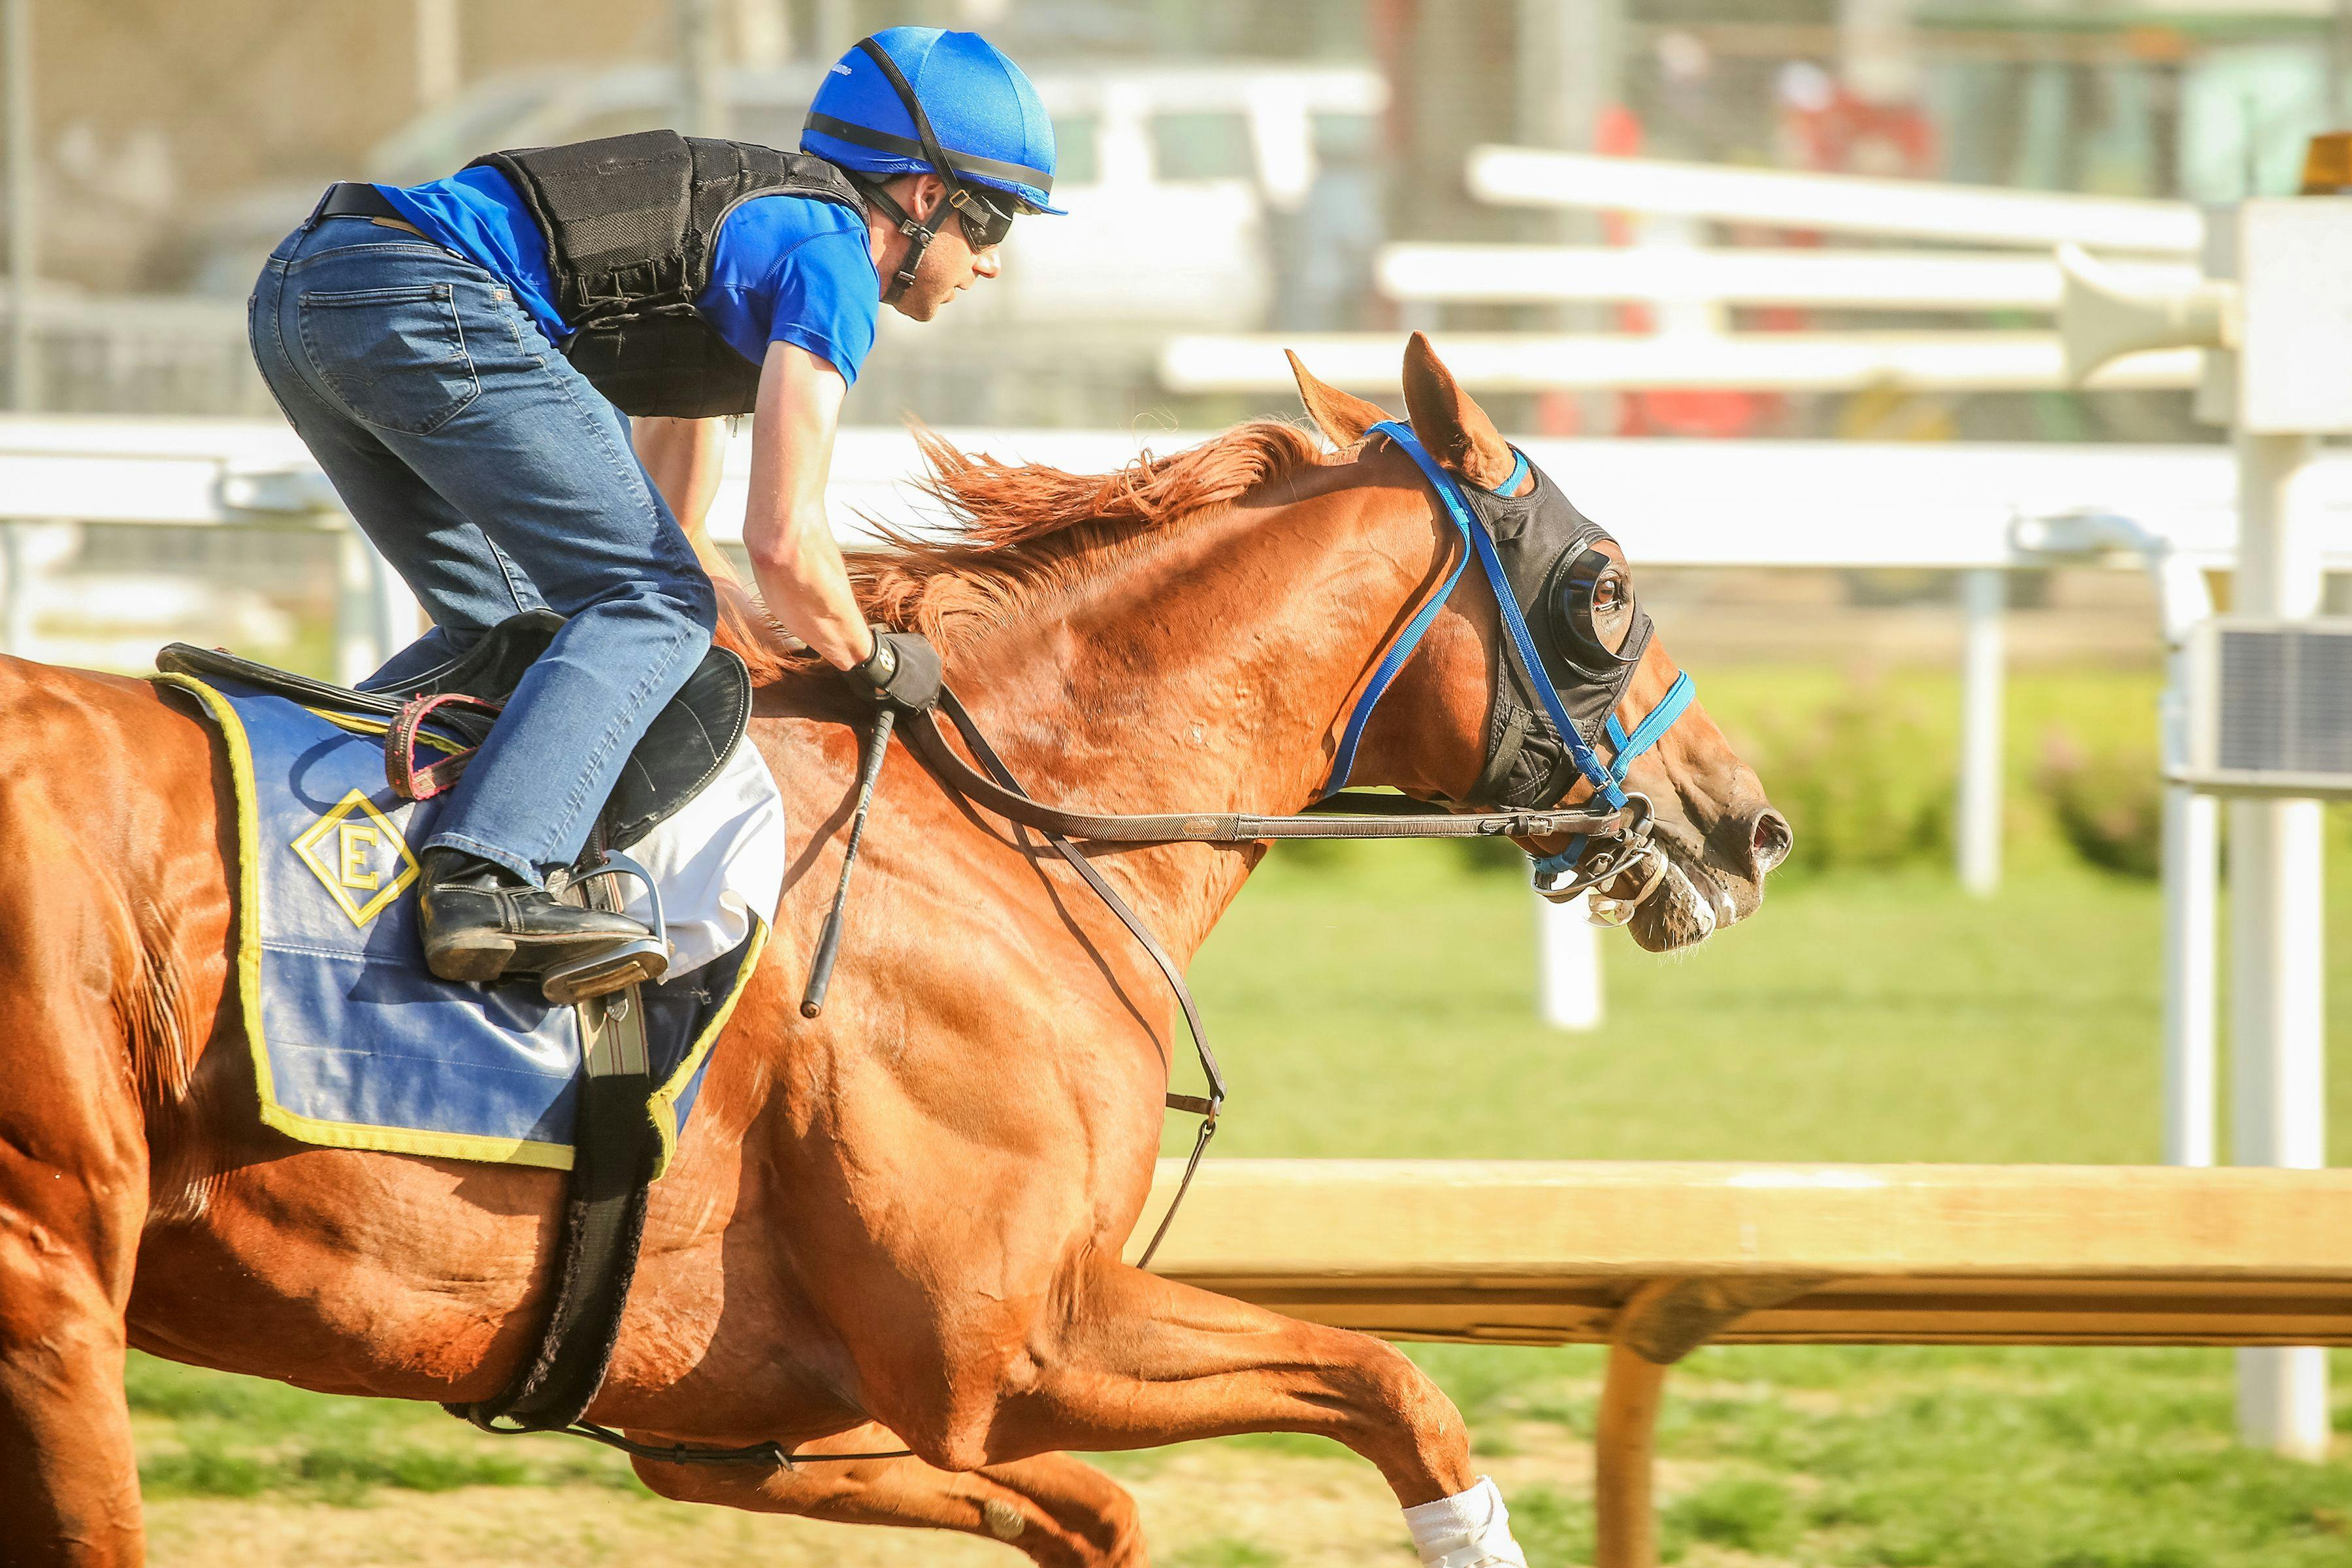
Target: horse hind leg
<point x="1060" y="1512"/>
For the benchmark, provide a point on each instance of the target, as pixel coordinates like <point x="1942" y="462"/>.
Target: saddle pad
<point x="356" y="1044"/>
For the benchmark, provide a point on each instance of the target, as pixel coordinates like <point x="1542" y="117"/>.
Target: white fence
<point x="1667" y="267"/>
<point x="1977" y="510"/>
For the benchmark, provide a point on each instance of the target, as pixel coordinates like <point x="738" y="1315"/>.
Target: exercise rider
<point x="460" y="357"/>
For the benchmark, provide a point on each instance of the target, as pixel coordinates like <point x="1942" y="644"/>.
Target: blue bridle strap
<point x="1653" y="729"/>
<point x="1511" y="487"/>
<point x="1474" y="539"/>
<point x="1646" y="733"/>
<point x="1344" y="762"/>
<point x="1607" y="779"/>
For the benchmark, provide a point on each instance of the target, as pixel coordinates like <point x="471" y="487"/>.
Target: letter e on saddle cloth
<point x="616" y="1071"/>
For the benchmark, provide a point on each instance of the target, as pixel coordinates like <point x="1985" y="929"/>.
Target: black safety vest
<point x="630" y="222"/>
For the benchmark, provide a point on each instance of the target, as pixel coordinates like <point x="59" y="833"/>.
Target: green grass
<point x="1384" y="1005"/>
<point x="203" y="1434"/>
<point x="1955" y="1459"/>
<point x="1380" y="1001"/>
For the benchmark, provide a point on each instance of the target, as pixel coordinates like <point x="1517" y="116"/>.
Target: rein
<point x="1352" y="814"/>
<point x="1614" y="822"/>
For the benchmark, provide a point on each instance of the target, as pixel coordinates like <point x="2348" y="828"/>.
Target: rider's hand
<point x="903" y="669"/>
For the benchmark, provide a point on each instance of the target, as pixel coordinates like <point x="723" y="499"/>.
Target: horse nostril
<point x="1768" y="841"/>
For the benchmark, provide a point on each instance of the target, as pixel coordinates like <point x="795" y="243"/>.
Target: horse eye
<point x="1609" y="594"/>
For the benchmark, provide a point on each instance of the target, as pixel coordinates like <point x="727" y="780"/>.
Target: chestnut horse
<point x="899" y="1225"/>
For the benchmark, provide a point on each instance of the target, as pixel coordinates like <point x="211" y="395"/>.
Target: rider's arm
<point x="685" y="457"/>
<point x="785" y="529"/>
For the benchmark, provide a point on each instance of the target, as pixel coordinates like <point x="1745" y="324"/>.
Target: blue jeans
<point x="495" y="479"/>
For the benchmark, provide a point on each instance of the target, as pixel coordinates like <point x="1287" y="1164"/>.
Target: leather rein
<point x="1349" y="814"/>
<point x="1609" y="833"/>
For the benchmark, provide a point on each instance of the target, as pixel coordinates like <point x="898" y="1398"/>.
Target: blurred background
<point x="1229" y="166"/>
<point x="1819" y="414"/>
<point x="1233" y="170"/>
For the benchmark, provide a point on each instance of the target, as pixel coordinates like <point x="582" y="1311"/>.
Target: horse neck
<point x="1203" y="666"/>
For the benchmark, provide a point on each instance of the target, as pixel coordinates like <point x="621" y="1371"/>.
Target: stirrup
<point x="640" y="959"/>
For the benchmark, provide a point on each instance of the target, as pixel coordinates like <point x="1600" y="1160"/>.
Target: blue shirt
<point x="784" y="268"/>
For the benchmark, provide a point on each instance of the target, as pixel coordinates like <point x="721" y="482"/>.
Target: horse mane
<point x="1027" y="530"/>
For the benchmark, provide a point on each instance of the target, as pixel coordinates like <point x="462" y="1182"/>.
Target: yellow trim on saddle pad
<point x="359" y="724"/>
<point x="474" y="1147"/>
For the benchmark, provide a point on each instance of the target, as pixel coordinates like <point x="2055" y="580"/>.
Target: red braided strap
<point x="407" y="780"/>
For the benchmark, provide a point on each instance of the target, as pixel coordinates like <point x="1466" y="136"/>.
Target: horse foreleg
<point x="1062" y="1513"/>
<point x="1132" y="1361"/>
<point x="73" y="1192"/>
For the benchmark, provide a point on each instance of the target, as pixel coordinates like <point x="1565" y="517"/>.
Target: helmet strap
<point x="920" y="233"/>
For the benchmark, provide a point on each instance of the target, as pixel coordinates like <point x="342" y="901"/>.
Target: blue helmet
<point x="987" y="117"/>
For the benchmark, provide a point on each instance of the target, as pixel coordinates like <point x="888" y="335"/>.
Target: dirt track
<point x="1208" y="1508"/>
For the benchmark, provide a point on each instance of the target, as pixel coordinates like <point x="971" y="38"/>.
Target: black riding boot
<point x="482" y="923"/>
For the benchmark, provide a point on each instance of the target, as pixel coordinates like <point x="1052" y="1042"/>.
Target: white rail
<point x="1677" y="503"/>
<point x="1968" y="215"/>
<point x="1832" y="279"/>
<point x="1790" y="362"/>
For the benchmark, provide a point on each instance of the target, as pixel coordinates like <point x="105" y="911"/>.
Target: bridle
<point x="1589" y="860"/>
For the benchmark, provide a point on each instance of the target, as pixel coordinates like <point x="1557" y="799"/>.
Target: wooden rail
<point x="1656" y="1259"/>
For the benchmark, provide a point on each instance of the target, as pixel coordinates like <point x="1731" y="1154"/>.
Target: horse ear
<point x="1456" y="430"/>
<point x="1342" y="416"/>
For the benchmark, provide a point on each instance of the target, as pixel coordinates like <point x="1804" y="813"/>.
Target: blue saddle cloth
<point x="356" y="1043"/>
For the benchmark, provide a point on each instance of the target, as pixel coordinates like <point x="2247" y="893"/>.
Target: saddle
<point x="681" y="752"/>
<point x="615" y="1145"/>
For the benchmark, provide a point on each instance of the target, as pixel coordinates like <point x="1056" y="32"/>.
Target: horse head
<point x="1466" y="726"/>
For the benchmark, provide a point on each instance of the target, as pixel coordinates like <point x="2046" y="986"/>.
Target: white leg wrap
<point x="1468" y="1530"/>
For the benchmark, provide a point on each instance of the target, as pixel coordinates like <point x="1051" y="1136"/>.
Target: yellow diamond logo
<point x="361" y="856"/>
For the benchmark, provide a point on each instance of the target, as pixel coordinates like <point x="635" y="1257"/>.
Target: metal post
<point x="2191" y="862"/>
<point x="16" y="592"/>
<point x="763" y="33"/>
<point x="1569" y="972"/>
<point x="1984" y="597"/>
<point x="440" y="58"/>
<point x="358" y="649"/>
<point x="702" y="66"/>
<point x="24" y="217"/>
<point x="1570" y="65"/>
<point x="837" y="29"/>
<point x="2276" y="955"/>
<point x="2192" y="849"/>
<point x="1569" y="60"/>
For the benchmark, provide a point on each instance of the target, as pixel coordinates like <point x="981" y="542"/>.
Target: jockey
<point x="460" y="357"/>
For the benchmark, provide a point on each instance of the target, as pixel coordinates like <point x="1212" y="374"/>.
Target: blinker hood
<point x="1538" y="538"/>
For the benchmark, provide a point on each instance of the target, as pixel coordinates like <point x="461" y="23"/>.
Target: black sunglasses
<point x="984" y="222"/>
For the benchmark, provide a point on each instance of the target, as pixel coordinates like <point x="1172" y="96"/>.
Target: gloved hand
<point x="903" y="669"/>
